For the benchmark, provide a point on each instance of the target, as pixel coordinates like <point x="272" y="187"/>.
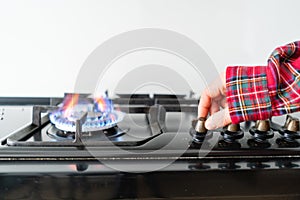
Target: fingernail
<point x="210" y="125"/>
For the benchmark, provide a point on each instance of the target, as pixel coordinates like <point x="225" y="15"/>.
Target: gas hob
<point x="138" y="146"/>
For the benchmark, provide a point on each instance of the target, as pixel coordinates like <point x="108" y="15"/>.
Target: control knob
<point x="198" y="130"/>
<point x="263" y="125"/>
<point x="200" y="125"/>
<point x="231" y="133"/>
<point x="292" y="124"/>
<point x="233" y="127"/>
<point x="290" y="132"/>
<point x="261" y="132"/>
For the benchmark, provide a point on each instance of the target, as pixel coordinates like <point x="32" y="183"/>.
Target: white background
<point x="43" y="43"/>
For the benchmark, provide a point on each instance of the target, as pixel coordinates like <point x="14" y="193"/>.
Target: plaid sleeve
<point x="260" y="92"/>
<point x="247" y="93"/>
<point x="284" y="79"/>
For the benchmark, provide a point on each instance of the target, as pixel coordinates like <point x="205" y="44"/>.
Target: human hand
<point x="212" y="98"/>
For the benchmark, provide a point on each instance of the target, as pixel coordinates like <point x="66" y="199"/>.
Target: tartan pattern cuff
<point x="247" y="93"/>
<point x="283" y="75"/>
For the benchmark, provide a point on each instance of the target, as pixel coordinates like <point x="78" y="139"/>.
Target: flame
<point x="69" y="103"/>
<point x="101" y="113"/>
<point x="104" y="105"/>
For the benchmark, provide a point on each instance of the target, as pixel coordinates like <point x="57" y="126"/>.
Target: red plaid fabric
<point x="260" y="92"/>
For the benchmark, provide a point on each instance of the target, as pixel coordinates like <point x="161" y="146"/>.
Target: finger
<point x="215" y="107"/>
<point x="210" y="93"/>
<point x="218" y="120"/>
<point x="213" y="92"/>
<point x="204" y="104"/>
<point x="223" y="82"/>
<point x="215" y="89"/>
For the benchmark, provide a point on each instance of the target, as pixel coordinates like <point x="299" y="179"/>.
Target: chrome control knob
<point x="290" y="132"/>
<point x="292" y="124"/>
<point x="263" y="125"/>
<point x="199" y="132"/>
<point x="231" y="134"/>
<point x="200" y="125"/>
<point x="261" y="132"/>
<point x="233" y="127"/>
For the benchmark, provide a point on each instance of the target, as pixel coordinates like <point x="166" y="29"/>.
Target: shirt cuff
<point x="247" y="93"/>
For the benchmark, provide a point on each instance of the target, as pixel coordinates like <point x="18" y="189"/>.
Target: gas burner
<point x="92" y="123"/>
<point x="100" y="114"/>
<point x="58" y="134"/>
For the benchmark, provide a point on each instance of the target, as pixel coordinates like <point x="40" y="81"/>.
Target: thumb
<point x="218" y="119"/>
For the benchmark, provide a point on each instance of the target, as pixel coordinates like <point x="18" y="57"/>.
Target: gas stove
<point x="140" y="146"/>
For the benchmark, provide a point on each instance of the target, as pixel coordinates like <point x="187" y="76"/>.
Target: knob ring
<point x="230" y="136"/>
<point x="261" y="136"/>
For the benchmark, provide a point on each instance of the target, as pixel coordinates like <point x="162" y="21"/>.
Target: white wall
<point x="43" y="43"/>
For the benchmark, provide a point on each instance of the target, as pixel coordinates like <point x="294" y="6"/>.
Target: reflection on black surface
<point x="238" y="184"/>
